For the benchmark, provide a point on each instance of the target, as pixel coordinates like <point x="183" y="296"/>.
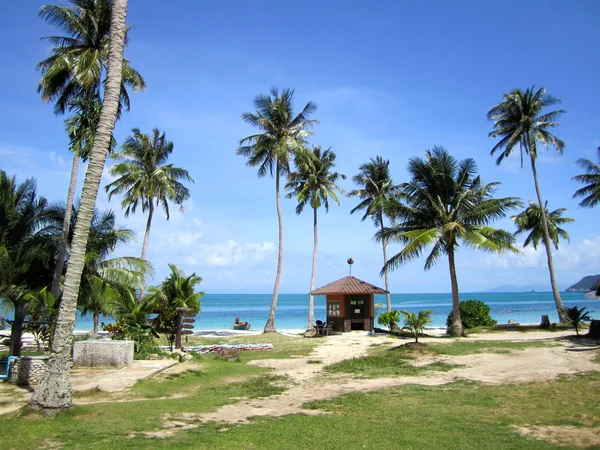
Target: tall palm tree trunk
<point x="270" y="325"/>
<point x="145" y="249"/>
<point x="456" y="326"/>
<point x="54" y="391"/>
<point x="547" y="244"/>
<point x="96" y="318"/>
<point x="311" y="298"/>
<point x="64" y="237"/>
<point x="385" y="269"/>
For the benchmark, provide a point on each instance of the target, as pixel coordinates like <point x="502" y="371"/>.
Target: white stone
<point x="102" y="353"/>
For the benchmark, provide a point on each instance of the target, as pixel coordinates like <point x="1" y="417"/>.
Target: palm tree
<point x="177" y="291"/>
<point x="26" y="250"/>
<point x="376" y="188"/>
<point x="72" y="76"/>
<point x="283" y="134"/>
<point x="530" y="220"/>
<point x="81" y="128"/>
<point x="54" y="391"/>
<point x="146" y="180"/>
<point x="520" y="123"/>
<point x="446" y="204"/>
<point x="590" y="192"/>
<point x="104" y="279"/>
<point x="314" y="183"/>
<point x="415" y="323"/>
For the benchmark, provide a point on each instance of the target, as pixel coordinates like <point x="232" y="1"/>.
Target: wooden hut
<point x="350" y="303"/>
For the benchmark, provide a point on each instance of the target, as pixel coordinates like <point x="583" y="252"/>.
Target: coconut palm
<point x="590" y="192"/>
<point x="54" y="391"/>
<point x="104" y="279"/>
<point x="521" y="124"/>
<point x="415" y="323"/>
<point x="177" y="291"/>
<point x="530" y="220"/>
<point x="376" y="188"/>
<point x="146" y="180"/>
<point x="443" y="206"/>
<point x="26" y="250"/>
<point x="72" y="76"/>
<point x="81" y="128"/>
<point x="313" y="184"/>
<point x="283" y="134"/>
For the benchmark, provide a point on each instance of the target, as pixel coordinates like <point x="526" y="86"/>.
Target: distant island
<point x="525" y="288"/>
<point x="585" y="284"/>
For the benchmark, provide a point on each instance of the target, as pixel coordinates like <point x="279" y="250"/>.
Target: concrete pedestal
<point x="103" y="353"/>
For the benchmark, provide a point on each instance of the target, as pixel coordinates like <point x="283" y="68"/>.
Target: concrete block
<point x="103" y="353"/>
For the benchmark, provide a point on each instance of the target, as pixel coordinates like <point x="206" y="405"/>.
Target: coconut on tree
<point x="376" y="187"/>
<point x="282" y="135"/>
<point x="54" y="391"/>
<point x="73" y="76"/>
<point x="446" y="205"/>
<point x="146" y="180"/>
<point x="313" y="184"/>
<point x="521" y="122"/>
<point x="591" y="179"/>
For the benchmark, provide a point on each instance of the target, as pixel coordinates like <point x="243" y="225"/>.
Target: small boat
<point x="239" y="325"/>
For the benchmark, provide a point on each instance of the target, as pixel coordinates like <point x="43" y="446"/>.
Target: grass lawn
<point x="461" y="415"/>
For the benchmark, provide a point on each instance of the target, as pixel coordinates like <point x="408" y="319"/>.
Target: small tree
<point x="473" y="313"/>
<point x="415" y="323"/>
<point x="576" y="316"/>
<point x="41" y="312"/>
<point x="389" y="318"/>
<point x="177" y="291"/>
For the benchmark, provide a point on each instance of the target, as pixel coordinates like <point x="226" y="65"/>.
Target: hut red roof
<point x="349" y="285"/>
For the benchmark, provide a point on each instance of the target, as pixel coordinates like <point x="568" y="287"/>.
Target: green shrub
<point x="473" y="313"/>
<point x="389" y="318"/>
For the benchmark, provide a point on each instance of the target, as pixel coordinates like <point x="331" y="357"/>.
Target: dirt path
<point x="533" y="364"/>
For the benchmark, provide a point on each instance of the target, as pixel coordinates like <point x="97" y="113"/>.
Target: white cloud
<point x="231" y="253"/>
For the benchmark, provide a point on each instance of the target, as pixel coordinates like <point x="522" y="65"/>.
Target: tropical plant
<point x="41" y="313"/>
<point x="104" y="279"/>
<point x="72" y="76"/>
<point x="54" y="391"/>
<point x="26" y="251"/>
<point x="530" y="220"/>
<point x="389" y="318"/>
<point x="283" y="134"/>
<point x="132" y="320"/>
<point x="376" y="189"/>
<point x="313" y="184"/>
<point x="520" y="123"/>
<point x="415" y="323"/>
<point x="473" y="313"/>
<point x="445" y="204"/>
<point x="177" y="291"/>
<point x="146" y="180"/>
<point x="590" y="192"/>
<point x="576" y="316"/>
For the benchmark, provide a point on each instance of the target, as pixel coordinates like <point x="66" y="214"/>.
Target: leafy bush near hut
<point x="389" y="318"/>
<point x="474" y="313"/>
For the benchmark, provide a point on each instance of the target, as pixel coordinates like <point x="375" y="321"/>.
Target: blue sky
<point x="390" y="79"/>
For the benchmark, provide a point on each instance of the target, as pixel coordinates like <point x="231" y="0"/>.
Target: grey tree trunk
<point x="64" y="237"/>
<point x="311" y="299"/>
<point x="145" y="249"/>
<point x="270" y="325"/>
<point x="456" y="328"/>
<point x="16" y="331"/>
<point x="385" y="270"/>
<point x="547" y="243"/>
<point x="96" y="319"/>
<point x="54" y="391"/>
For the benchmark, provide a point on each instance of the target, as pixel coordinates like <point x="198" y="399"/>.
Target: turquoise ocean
<point x="220" y="310"/>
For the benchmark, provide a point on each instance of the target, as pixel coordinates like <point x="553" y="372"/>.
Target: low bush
<point x="473" y="313"/>
<point x="389" y="318"/>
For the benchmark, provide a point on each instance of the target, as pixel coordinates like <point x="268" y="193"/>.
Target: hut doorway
<point x="358" y="313"/>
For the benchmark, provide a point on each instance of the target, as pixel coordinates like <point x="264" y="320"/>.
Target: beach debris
<point x="228" y="354"/>
<point x="202" y="349"/>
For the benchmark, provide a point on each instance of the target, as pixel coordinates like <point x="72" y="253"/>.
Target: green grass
<point x="384" y="362"/>
<point x="467" y="348"/>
